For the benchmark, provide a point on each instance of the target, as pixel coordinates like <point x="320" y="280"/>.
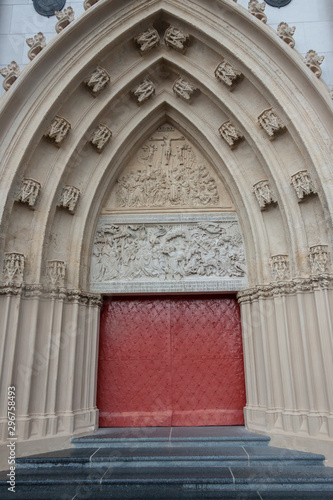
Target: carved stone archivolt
<point x="184" y="89"/>
<point x="65" y="17"/>
<point x="257" y="10"/>
<point x="58" y="130"/>
<point x="101" y="136"/>
<point x="313" y="61"/>
<point x="97" y="80"/>
<point x="230" y="134"/>
<point x="286" y="33"/>
<point x="264" y="194"/>
<point x="303" y="184"/>
<point x="13" y="267"/>
<point x="36" y="44"/>
<point x="228" y="75"/>
<point x="164" y="251"/>
<point x="271" y="123"/>
<point x="144" y="91"/>
<point x="175" y="38"/>
<point x="29" y="192"/>
<point x="69" y="198"/>
<point x="319" y="259"/>
<point x="147" y="40"/>
<point x="10" y="74"/>
<point x="280" y="267"/>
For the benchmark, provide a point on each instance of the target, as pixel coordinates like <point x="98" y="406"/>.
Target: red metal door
<point x="170" y="361"/>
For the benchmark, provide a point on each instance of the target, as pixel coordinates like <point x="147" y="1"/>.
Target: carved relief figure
<point x="228" y="75"/>
<point x="264" y="194"/>
<point x="279" y="267"/>
<point x="230" y="134"/>
<point x="69" y="198"/>
<point x="101" y="137"/>
<point x="144" y="91"/>
<point x="29" y="192"/>
<point x="169" y="175"/>
<point x="56" y="270"/>
<point x="184" y="89"/>
<point x="271" y="123"/>
<point x="303" y="184"/>
<point x="58" y="130"/>
<point x="147" y="40"/>
<point x="167" y="252"/>
<point x="97" y="80"/>
<point x="319" y="259"/>
<point x="13" y="267"/>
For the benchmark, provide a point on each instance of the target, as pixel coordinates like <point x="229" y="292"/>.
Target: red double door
<point x="171" y="361"/>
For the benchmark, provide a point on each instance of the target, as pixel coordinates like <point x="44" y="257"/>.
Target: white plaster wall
<point x="313" y="21"/>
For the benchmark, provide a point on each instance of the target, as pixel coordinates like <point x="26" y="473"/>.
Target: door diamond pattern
<point x="171" y="361"/>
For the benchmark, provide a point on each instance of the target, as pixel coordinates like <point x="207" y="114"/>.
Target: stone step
<point x="194" y="482"/>
<point x="163" y="456"/>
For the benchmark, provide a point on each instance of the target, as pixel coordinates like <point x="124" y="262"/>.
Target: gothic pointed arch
<point x="70" y="124"/>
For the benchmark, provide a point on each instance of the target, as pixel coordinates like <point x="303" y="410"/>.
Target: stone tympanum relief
<point x="168" y="253"/>
<point x="168" y="172"/>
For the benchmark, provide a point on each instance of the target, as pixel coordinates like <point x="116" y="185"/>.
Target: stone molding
<point x="281" y="288"/>
<point x="38" y="290"/>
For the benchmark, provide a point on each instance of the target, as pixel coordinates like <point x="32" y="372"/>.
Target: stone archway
<point x="267" y="133"/>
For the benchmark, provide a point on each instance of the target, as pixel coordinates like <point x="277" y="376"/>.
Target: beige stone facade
<point x="72" y="124"/>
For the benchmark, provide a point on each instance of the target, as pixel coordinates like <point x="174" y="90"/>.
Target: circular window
<point x="277" y="3"/>
<point x="48" y="7"/>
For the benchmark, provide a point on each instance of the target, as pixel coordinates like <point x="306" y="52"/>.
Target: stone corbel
<point x="264" y="194"/>
<point x="65" y="17"/>
<point x="100" y="137"/>
<point x="303" y="185"/>
<point x="97" y="80"/>
<point x="271" y="123"/>
<point x="184" y="89"/>
<point x="69" y="198"/>
<point x="10" y="74"/>
<point x="36" y="44"/>
<point x="230" y="134"/>
<point x="147" y="40"/>
<point x="176" y="39"/>
<point x="58" y="130"/>
<point x="228" y="75"/>
<point x="29" y="192"/>
<point x="13" y="267"/>
<point x="144" y="91"/>
<point x="280" y="267"/>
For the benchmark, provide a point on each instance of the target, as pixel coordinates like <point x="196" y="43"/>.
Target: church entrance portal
<point x="170" y="361"/>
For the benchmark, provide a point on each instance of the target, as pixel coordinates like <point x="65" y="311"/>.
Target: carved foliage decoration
<point x="230" y="134"/>
<point x="313" y="61"/>
<point x="257" y="9"/>
<point x="264" y="194"/>
<point x="303" y="184"/>
<point x="69" y="198"/>
<point x="56" y="270"/>
<point x="184" y="89"/>
<point x="147" y="40"/>
<point x="158" y="252"/>
<point x="228" y="75"/>
<point x="319" y="259"/>
<point x="271" y="123"/>
<point x="101" y="137"/>
<point x="29" y="192"/>
<point x="280" y="267"/>
<point x="175" y="38"/>
<point x="97" y="80"/>
<point x="13" y="267"/>
<point x="36" y="44"/>
<point x="10" y="74"/>
<point x="286" y="33"/>
<point x="144" y="91"/>
<point x="65" y="17"/>
<point x="168" y="174"/>
<point x="58" y="130"/>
